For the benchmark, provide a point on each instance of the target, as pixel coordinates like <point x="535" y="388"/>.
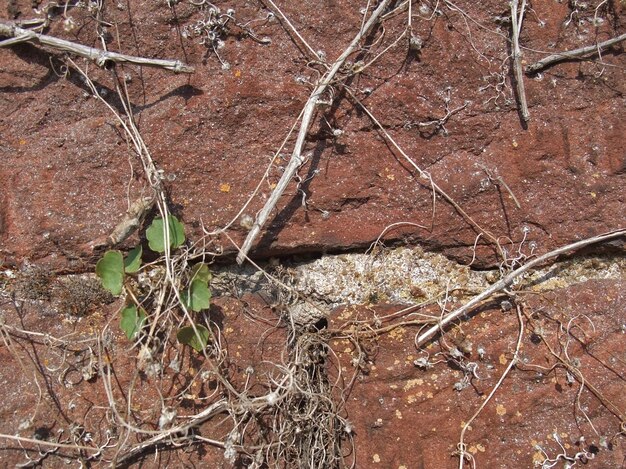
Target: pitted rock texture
<point x="68" y="175"/>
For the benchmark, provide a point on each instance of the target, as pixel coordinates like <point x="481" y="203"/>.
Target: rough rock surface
<point x="68" y="175"/>
<point x="67" y="172"/>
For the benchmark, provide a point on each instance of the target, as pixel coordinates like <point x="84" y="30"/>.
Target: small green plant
<point x="156" y="234"/>
<point x="186" y="335"/>
<point x="198" y="296"/>
<point x="110" y="270"/>
<point x="132" y="320"/>
<point x="115" y="271"/>
<point x="132" y="263"/>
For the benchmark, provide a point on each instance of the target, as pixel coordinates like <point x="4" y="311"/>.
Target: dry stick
<point x="48" y="443"/>
<point x="461" y="445"/>
<point x="516" y="26"/>
<point x="284" y="17"/>
<point x="198" y="419"/>
<point x="296" y="157"/>
<point x="595" y="391"/>
<point x="99" y="56"/>
<point x="425" y="175"/>
<point x="574" y="54"/>
<point x="508" y="280"/>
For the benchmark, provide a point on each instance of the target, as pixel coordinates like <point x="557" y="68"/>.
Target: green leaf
<point x="197" y="297"/>
<point x="156" y="233"/>
<point x="132" y="321"/>
<point x="200" y="271"/>
<point x="186" y="335"/>
<point x="110" y="270"/>
<point x="132" y="263"/>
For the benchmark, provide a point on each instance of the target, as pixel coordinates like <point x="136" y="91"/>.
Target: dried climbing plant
<point x="294" y="415"/>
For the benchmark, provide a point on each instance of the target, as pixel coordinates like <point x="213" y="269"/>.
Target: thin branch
<point x="296" y="157"/>
<point x="99" y="56"/>
<point x="425" y="175"/>
<point x="183" y="429"/>
<point x="461" y="445"/>
<point x="48" y="443"/>
<point x="295" y="31"/>
<point x="516" y="26"/>
<point x="573" y="54"/>
<point x="508" y="280"/>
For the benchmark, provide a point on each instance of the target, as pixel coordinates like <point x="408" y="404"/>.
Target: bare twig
<point x="424" y="174"/>
<point x="508" y="280"/>
<point x="99" y="56"/>
<point x="295" y="31"/>
<point x="52" y="444"/>
<point x="183" y="429"/>
<point x="573" y="54"/>
<point x="307" y="116"/>
<point x="499" y="180"/>
<point x="516" y="26"/>
<point x="129" y="223"/>
<point x="461" y="445"/>
<point x="440" y="124"/>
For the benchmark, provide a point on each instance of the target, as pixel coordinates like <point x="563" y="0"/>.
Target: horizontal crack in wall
<point x="408" y="275"/>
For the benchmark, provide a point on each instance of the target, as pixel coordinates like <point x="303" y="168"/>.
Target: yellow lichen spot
<point x="237" y="73"/>
<point x="538" y="458"/>
<point x="398" y="333"/>
<point x="225" y="187"/>
<point x="273" y="186"/>
<point x="429" y="395"/>
<point x="434" y="376"/>
<point x="376" y="458"/>
<point x="593" y="195"/>
<point x="402" y="467"/>
<point x="411" y="398"/>
<point x="345" y="315"/>
<point x="396" y="362"/>
<point x="391" y="177"/>
<point x="412" y="383"/>
<point x="398" y="414"/>
<point x="502" y="359"/>
<point x="518" y="413"/>
<point x="22" y="141"/>
<point x="469" y="427"/>
<point x="228" y="330"/>
<point x="514" y="143"/>
<point x="347" y="350"/>
<point x="472" y="449"/>
<point x="393" y="386"/>
<point x="480" y="448"/>
<point x="500" y="409"/>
